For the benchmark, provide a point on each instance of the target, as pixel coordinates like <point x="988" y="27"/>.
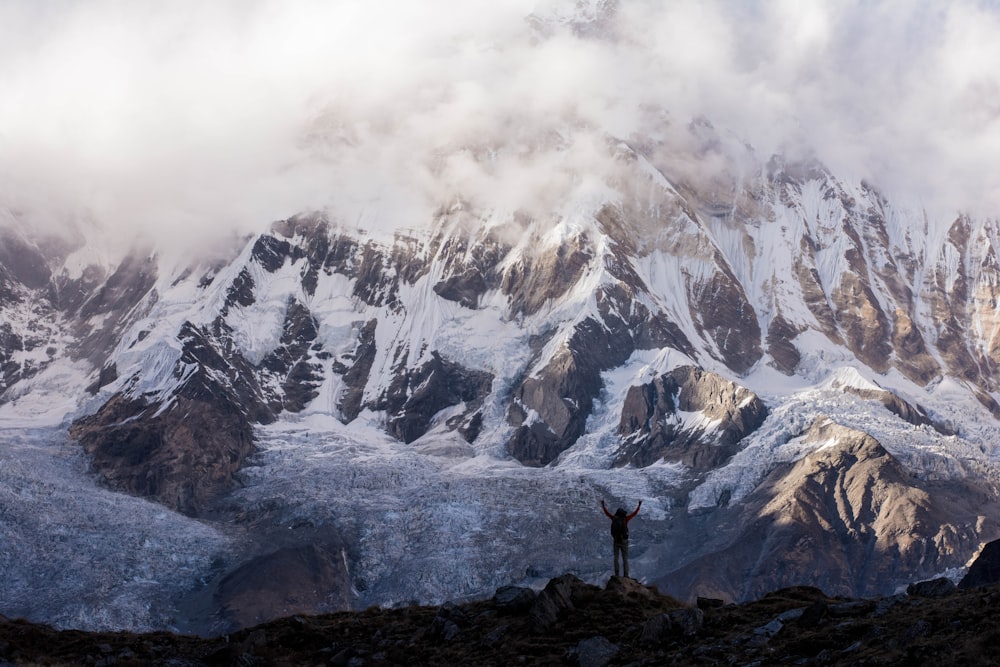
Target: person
<point x="619" y="533"/>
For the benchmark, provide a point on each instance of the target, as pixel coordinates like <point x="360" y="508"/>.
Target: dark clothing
<point x="621" y="548"/>
<point x="620" y="544"/>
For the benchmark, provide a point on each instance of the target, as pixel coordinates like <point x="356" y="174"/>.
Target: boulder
<point x="513" y="599"/>
<point x="709" y="603"/>
<point x="449" y="621"/>
<point x="684" y="622"/>
<point x="814" y="614"/>
<point x="934" y="588"/>
<point x="555" y="599"/>
<point x="628" y="587"/>
<point x="594" y="652"/>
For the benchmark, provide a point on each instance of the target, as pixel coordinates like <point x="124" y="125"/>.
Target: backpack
<point x="619" y="527"/>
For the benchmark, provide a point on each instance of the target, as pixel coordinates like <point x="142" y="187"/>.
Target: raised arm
<point x="605" y="508"/>
<point x="632" y="515"/>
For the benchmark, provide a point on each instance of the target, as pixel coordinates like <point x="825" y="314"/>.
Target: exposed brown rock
<point x="465" y="288"/>
<point x="913" y="358"/>
<point x="307" y="579"/>
<point x="181" y="457"/>
<point x="560" y="396"/>
<point x="416" y="395"/>
<point x="185" y="452"/>
<point x="985" y="570"/>
<point x="723" y="313"/>
<point x="862" y="322"/>
<point x="779" y="345"/>
<point x="562" y="393"/>
<point x="846" y="518"/>
<point x="813" y="291"/>
<point x="537" y="278"/>
<point x="651" y="429"/>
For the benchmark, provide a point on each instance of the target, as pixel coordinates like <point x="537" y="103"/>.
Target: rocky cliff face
<point x="654" y="424"/>
<point x="846" y="517"/>
<point x="184" y="450"/>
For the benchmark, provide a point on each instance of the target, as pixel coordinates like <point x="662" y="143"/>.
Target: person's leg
<point x="617" y="547"/>
<point x="625" y="558"/>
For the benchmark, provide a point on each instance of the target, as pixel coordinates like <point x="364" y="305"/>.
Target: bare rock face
<point x="104" y="315"/>
<point x="181" y="458"/>
<point x="310" y="579"/>
<point x="558" y="598"/>
<point x="985" y="570"/>
<point x="355" y="375"/>
<point x="721" y="309"/>
<point x="537" y="279"/>
<point x="416" y="395"/>
<point x="863" y="323"/>
<point x="559" y="400"/>
<point x="185" y="452"/>
<point x="551" y="406"/>
<point x="470" y="267"/>
<point x="785" y="355"/>
<point x="846" y="518"/>
<point x="10" y="370"/>
<point x="652" y="427"/>
<point x="293" y="369"/>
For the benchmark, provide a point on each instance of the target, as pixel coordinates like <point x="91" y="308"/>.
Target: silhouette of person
<point x="619" y="533"/>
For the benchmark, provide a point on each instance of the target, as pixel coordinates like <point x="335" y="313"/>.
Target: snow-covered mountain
<point x="797" y="375"/>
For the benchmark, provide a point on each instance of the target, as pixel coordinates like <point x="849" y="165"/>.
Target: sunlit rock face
<point x="845" y="518"/>
<point x="688" y="415"/>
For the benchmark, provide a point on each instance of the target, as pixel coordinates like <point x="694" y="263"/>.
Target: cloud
<point x="186" y="119"/>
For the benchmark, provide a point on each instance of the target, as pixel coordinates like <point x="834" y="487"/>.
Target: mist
<point x="186" y="121"/>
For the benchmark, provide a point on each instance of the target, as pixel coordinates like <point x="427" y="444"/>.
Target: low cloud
<point x="188" y="119"/>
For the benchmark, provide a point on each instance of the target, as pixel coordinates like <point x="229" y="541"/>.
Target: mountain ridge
<point x="665" y="340"/>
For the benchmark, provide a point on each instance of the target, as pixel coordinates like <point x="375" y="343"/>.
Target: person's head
<point x="621" y="512"/>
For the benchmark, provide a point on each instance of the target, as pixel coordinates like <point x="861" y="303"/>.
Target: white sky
<point x="188" y="116"/>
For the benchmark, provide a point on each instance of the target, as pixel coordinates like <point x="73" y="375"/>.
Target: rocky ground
<point x="570" y="622"/>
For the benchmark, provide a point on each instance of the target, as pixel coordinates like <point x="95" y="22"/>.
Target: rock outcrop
<point x="687" y="415"/>
<point x="985" y="570"/>
<point x="825" y="517"/>
<point x="187" y="450"/>
<point x="309" y="579"/>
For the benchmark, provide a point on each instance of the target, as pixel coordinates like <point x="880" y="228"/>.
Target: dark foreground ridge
<point x="573" y="623"/>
